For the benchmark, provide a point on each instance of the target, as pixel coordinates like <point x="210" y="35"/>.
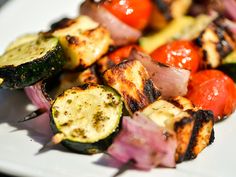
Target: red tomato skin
<point x="181" y="54"/>
<point x="213" y="90"/>
<point x="135" y="13"/>
<point x="122" y="53"/>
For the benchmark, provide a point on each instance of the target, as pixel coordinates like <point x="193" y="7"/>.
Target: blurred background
<point x="2" y="2"/>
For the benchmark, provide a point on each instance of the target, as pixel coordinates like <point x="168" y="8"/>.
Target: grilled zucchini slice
<point x="83" y="40"/>
<point x="30" y="62"/>
<point x="174" y="30"/>
<point x="193" y="127"/>
<point x="87" y="117"/>
<point x="22" y="40"/>
<point x="131" y="80"/>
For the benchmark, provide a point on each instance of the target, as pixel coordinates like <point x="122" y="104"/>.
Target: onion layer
<point x="37" y="96"/>
<point x="121" y="33"/>
<point x="171" y="81"/>
<point x="145" y="143"/>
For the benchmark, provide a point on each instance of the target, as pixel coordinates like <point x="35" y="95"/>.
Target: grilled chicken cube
<point x="131" y="80"/>
<point x="104" y="64"/>
<point x="88" y="76"/>
<point x="72" y="79"/>
<point x="193" y="127"/>
<point x="83" y="40"/>
<point x="182" y="103"/>
<point x="216" y="42"/>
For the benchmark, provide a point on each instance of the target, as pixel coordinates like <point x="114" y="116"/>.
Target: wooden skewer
<point x="33" y="115"/>
<point x="56" y="139"/>
<point x="124" y="168"/>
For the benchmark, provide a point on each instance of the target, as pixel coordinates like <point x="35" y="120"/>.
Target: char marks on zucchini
<point x="29" y="62"/>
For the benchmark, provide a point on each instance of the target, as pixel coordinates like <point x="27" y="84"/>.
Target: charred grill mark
<point x="198" y="40"/>
<point x="221" y="41"/>
<point x="104" y="64"/>
<point x="164" y="7"/>
<point x="125" y="64"/>
<point x="162" y="65"/>
<point x="201" y="118"/>
<point x="150" y="91"/>
<point x="176" y="103"/>
<point x="72" y="40"/>
<point x="223" y="46"/>
<point x="133" y="104"/>
<point x="183" y="130"/>
<point x="167" y="135"/>
<point x="88" y="76"/>
<point x="212" y="137"/>
<point x="182" y="123"/>
<point x="63" y="23"/>
<point x="132" y="81"/>
<point x="112" y="48"/>
<point x="85" y="86"/>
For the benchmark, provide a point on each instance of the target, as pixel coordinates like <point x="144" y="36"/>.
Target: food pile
<point x="142" y="80"/>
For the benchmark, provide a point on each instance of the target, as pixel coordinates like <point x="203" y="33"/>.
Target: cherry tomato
<point x="135" y="13"/>
<point x="181" y="54"/>
<point x="120" y="54"/>
<point x="213" y="90"/>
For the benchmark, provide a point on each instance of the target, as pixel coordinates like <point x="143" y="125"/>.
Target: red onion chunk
<point x="171" y="81"/>
<point x="35" y="94"/>
<point x="144" y="142"/>
<point x="231" y="25"/>
<point x="121" y="33"/>
<point x="230" y="8"/>
<point x="40" y="125"/>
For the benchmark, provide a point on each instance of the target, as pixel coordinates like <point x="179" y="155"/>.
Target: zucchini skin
<point x="18" y="77"/>
<point x="87" y="148"/>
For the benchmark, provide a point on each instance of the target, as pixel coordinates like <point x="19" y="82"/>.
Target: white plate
<point x="19" y="142"/>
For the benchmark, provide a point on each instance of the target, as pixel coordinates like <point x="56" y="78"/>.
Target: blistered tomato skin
<point x="135" y="13"/>
<point x="213" y="90"/>
<point x="180" y="54"/>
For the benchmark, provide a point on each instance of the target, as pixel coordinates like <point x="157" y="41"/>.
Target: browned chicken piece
<point x="217" y="42"/>
<point x="104" y="64"/>
<point x="73" y="79"/>
<point x="88" y="76"/>
<point x="193" y="127"/>
<point x="131" y="80"/>
<point x="83" y="40"/>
